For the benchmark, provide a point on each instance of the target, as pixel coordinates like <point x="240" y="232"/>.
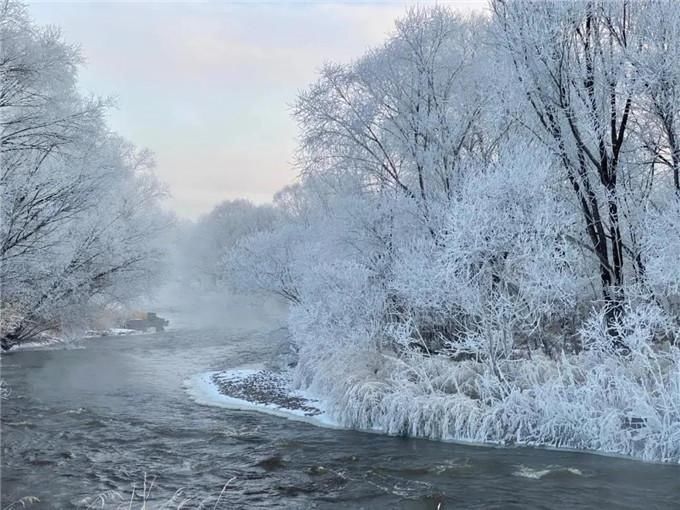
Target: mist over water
<point x="222" y="310"/>
<point x="481" y="245"/>
<point x="96" y="417"/>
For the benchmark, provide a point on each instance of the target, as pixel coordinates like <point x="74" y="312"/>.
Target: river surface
<point x="93" y="420"/>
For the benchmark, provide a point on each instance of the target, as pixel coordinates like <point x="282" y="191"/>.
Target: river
<point x="95" y="418"/>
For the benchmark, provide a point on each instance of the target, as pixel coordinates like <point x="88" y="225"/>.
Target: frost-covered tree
<point x="484" y="240"/>
<point x="658" y="84"/>
<point x="80" y="206"/>
<point x="405" y="117"/>
<point x="595" y="75"/>
<point x="204" y="244"/>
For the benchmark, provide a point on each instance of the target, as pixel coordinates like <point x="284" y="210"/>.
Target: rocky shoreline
<point x="263" y="387"/>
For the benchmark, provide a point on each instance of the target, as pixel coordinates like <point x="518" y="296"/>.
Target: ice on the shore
<point x="258" y="390"/>
<point x="112" y="332"/>
<point x="42" y="344"/>
<point x="47" y="341"/>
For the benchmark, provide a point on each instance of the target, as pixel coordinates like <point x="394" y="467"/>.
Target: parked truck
<point x="151" y="320"/>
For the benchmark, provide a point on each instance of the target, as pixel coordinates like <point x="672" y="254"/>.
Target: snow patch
<point x="44" y="342"/>
<point x="255" y="389"/>
<point x="113" y="332"/>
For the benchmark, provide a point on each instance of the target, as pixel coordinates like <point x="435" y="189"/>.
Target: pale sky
<point x="208" y="86"/>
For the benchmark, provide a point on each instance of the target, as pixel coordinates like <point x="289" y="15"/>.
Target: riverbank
<point x="80" y="422"/>
<point x="53" y="341"/>
<point x="558" y="412"/>
<point x="260" y="390"/>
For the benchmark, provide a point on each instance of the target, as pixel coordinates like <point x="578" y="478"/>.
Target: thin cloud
<point x="207" y="86"/>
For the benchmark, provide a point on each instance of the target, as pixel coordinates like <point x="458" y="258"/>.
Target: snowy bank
<point x="113" y="332"/>
<point x="521" y="418"/>
<point x="622" y="406"/>
<point x="46" y="341"/>
<point x="250" y="389"/>
<point x="42" y="341"/>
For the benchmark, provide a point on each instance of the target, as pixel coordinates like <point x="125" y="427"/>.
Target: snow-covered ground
<point x="113" y="332"/>
<point x="553" y="414"/>
<point x="42" y="341"/>
<point x="256" y="389"/>
<point x="49" y="341"/>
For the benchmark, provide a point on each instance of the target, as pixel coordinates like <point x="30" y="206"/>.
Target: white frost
<point x="203" y="390"/>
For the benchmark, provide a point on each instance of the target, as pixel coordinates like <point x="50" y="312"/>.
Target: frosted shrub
<point x="627" y="405"/>
<point x="585" y="403"/>
<point x="661" y="239"/>
<point x="349" y="317"/>
<point x="492" y="256"/>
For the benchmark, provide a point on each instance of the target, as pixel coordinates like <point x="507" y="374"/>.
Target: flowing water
<point x="94" y="419"/>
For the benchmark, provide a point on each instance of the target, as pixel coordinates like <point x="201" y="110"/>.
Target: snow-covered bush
<point x="483" y="244"/>
<point x="596" y="400"/>
<point x="80" y="208"/>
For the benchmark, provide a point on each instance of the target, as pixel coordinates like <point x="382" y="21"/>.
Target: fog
<point x="429" y="222"/>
